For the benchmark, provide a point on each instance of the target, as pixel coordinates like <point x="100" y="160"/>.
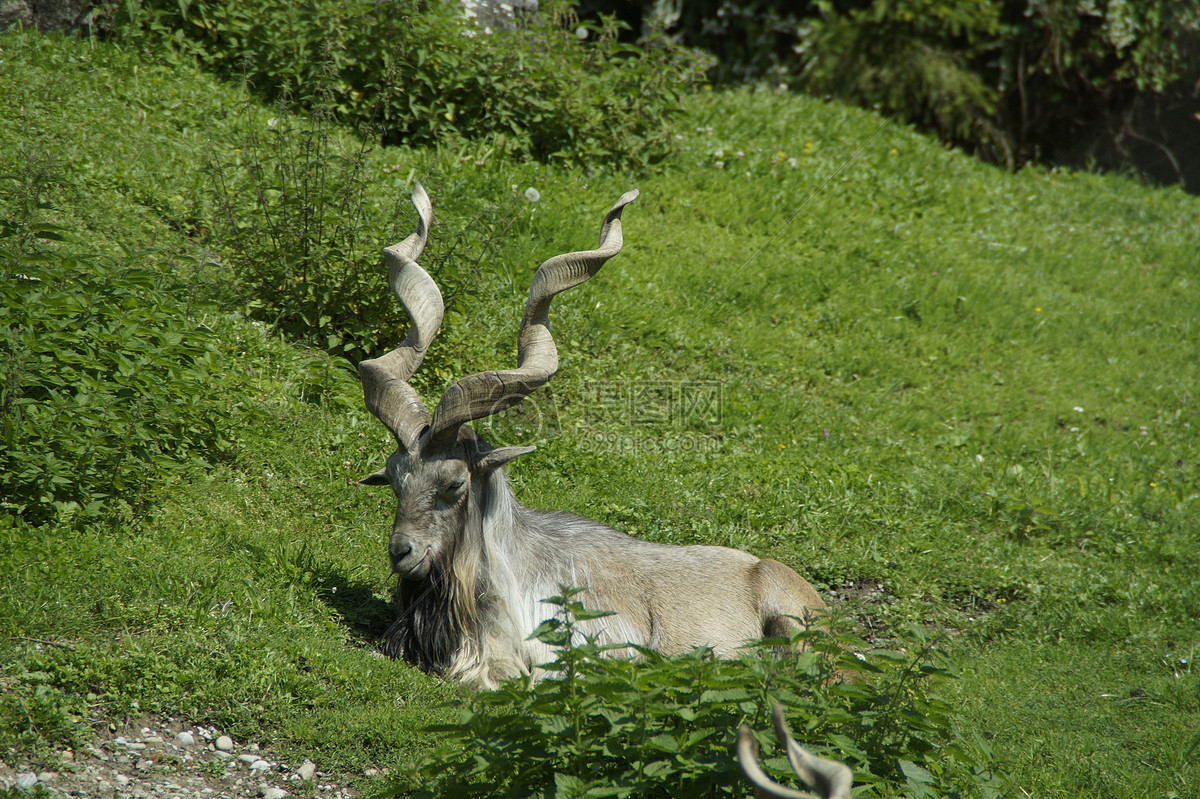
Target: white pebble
<point x="248" y="758"/>
<point x="47" y="776"/>
<point x="307" y="770"/>
<point x="274" y="793"/>
<point x="225" y="743"/>
<point x="260" y="765"/>
<point x="185" y="738"/>
<point x="27" y="780"/>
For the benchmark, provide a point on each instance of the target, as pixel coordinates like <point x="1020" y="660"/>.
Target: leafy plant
<point x="558" y="90"/>
<point x="105" y="369"/>
<point x="607" y="727"/>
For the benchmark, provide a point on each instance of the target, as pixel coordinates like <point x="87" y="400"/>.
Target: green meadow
<point x="961" y="401"/>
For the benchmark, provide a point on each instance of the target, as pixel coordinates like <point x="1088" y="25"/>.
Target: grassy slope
<point x="900" y="338"/>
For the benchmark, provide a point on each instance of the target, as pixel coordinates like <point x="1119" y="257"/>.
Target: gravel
<point x="170" y="759"/>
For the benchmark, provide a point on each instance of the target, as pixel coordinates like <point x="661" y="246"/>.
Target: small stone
<point x="121" y="779"/>
<point x="153" y="739"/>
<point x="140" y="793"/>
<point x="225" y="743"/>
<point x="136" y="746"/>
<point x="47" y="776"/>
<point x="223" y="755"/>
<point x="185" y="738"/>
<point x="307" y="770"/>
<point x="371" y="772"/>
<point x="144" y="764"/>
<point x="260" y="765"/>
<point x="26" y="780"/>
<point x="274" y="793"/>
<point x="120" y="739"/>
<point x="246" y="757"/>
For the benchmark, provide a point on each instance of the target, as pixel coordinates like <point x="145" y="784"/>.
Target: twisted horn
<point x="830" y="779"/>
<point x="485" y="393"/>
<point x="384" y="379"/>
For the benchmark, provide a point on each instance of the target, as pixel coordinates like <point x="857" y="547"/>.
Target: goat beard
<point x="426" y="631"/>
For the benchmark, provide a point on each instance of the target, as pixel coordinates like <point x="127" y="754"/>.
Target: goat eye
<point x="450" y="491"/>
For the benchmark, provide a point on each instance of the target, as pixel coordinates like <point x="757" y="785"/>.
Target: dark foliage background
<point x="1111" y="85"/>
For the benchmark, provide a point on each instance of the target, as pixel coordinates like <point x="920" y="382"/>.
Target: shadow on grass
<point x="364" y="614"/>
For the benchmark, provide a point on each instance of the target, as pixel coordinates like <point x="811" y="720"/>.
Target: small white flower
<point x="272" y="122"/>
<point x="1077" y="409"/>
<point x="581" y="32"/>
<point x="720" y="165"/>
<point x="532" y="194"/>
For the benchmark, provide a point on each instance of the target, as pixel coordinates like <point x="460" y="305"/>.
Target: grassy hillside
<point x="950" y="396"/>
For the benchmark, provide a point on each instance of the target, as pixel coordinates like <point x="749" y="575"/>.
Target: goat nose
<point x="398" y="548"/>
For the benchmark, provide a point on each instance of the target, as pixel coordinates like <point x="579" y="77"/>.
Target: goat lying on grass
<point x="474" y="564"/>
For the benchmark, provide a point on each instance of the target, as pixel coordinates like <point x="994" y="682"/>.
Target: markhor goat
<point x="474" y="564"/>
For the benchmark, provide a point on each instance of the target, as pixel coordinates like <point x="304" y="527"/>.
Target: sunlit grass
<point x="950" y="395"/>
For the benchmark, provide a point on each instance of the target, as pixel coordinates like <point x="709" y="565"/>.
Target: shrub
<point x="104" y="368"/>
<point x="301" y="212"/>
<point x="665" y="727"/>
<point x="425" y="75"/>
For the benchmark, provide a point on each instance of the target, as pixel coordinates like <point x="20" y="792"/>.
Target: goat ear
<point x="377" y="478"/>
<point x="494" y="459"/>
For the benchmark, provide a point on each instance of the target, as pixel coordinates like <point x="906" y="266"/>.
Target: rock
<point x="185" y="738"/>
<point x="307" y="770"/>
<point x="26" y="780"/>
<point x="47" y="776"/>
<point x="371" y="772"/>
<point x="260" y="765"/>
<point x="274" y="793"/>
<point x="225" y="743"/>
<point x="135" y="746"/>
<point x="246" y="757"/>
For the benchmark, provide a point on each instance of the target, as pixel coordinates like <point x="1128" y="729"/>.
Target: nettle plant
<point x="599" y="726"/>
<point x="106" y="367"/>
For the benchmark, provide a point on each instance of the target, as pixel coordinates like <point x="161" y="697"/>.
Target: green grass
<point x="971" y="390"/>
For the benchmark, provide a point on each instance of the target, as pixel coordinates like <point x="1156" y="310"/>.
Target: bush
<point x="426" y="75"/>
<point x="301" y="211"/>
<point x="665" y="727"/>
<point x="104" y="369"/>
